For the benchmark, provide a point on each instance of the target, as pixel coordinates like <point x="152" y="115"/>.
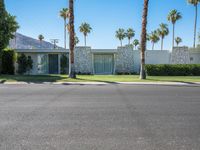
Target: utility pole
<point x="54" y="42"/>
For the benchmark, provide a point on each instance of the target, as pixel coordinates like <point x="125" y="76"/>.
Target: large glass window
<point x="43" y="67"/>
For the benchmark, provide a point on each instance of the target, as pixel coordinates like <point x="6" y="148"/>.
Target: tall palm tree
<point x="40" y="38"/>
<point x="144" y="39"/>
<point x="130" y="33"/>
<point x="195" y="3"/>
<point x="162" y="32"/>
<point x="85" y="28"/>
<point x="178" y="40"/>
<point x="173" y="17"/>
<point x="76" y="40"/>
<point x="199" y="37"/>
<point x="154" y="38"/>
<point x="72" y="72"/>
<point x="120" y="34"/>
<point x="64" y="13"/>
<point x="136" y="43"/>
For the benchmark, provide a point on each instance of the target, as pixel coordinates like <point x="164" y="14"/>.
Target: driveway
<point x="99" y="117"/>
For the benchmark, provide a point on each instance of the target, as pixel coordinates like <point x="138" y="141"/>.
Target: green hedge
<point x="173" y="70"/>
<point x="8" y="61"/>
<point x="64" y="64"/>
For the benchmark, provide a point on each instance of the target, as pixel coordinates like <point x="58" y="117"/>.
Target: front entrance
<point x="103" y="63"/>
<point x="53" y="64"/>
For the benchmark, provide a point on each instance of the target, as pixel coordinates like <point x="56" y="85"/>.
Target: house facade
<point x="105" y="61"/>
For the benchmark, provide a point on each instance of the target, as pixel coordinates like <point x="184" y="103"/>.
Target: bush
<point x="22" y="63"/>
<point x="126" y="73"/>
<point x="25" y="64"/>
<point x="8" y="61"/>
<point x="173" y="70"/>
<point x="29" y="64"/>
<point x="64" y="64"/>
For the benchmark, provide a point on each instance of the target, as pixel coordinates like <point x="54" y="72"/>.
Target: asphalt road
<point x="99" y="117"/>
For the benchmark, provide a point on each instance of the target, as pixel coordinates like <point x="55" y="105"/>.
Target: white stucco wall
<point x="152" y="57"/>
<point x="195" y="55"/>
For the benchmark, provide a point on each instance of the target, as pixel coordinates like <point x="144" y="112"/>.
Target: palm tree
<point x="144" y="39"/>
<point x="195" y="3"/>
<point x="136" y="43"/>
<point x="40" y="38"/>
<point x="162" y="32"/>
<point x="178" y="40"/>
<point x="72" y="72"/>
<point x="85" y="28"/>
<point x="120" y="34"/>
<point x="76" y="40"/>
<point x="173" y="17"/>
<point x="154" y="38"/>
<point x="64" y="13"/>
<point x="130" y="33"/>
<point x="147" y="38"/>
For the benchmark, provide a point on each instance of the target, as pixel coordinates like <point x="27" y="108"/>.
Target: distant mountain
<point x="25" y="42"/>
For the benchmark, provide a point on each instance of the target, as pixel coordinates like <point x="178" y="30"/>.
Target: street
<point x="99" y="117"/>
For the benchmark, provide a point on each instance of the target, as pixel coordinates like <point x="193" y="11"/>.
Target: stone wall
<point x="83" y="60"/>
<point x="124" y="60"/>
<point x="180" y="55"/>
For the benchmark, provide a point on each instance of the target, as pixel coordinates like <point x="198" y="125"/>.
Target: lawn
<point x="96" y="78"/>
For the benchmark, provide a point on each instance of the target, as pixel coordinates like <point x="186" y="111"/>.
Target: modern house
<point x="106" y="61"/>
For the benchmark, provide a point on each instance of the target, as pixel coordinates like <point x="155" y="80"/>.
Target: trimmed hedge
<point x="8" y="61"/>
<point x="173" y="70"/>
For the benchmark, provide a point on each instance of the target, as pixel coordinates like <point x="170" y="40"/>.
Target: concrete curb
<point x="105" y="83"/>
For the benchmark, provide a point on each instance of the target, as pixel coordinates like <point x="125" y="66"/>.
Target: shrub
<point x="22" y="60"/>
<point x="173" y="70"/>
<point x="126" y="73"/>
<point x="8" y="61"/>
<point x="25" y="64"/>
<point x="29" y="64"/>
<point x="64" y="64"/>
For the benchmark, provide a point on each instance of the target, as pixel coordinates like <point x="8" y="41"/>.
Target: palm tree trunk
<point x="173" y="36"/>
<point x="129" y="41"/>
<point x="195" y="25"/>
<point x="85" y="39"/>
<point x="162" y="44"/>
<point x="72" y="73"/>
<point x="143" y="39"/>
<point x="121" y="43"/>
<point x="65" y="34"/>
<point x="153" y="46"/>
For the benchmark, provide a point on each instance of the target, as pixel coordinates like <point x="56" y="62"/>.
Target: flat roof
<point x="42" y="50"/>
<point x="104" y="50"/>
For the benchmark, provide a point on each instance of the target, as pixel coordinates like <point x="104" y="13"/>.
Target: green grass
<point x="96" y="78"/>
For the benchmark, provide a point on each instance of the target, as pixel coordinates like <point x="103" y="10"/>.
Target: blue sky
<point x="105" y="16"/>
